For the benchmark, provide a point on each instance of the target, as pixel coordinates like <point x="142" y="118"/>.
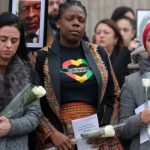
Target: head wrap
<point x="145" y="33"/>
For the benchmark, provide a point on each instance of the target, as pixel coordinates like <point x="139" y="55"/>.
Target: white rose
<point x="146" y="82"/>
<point x="93" y="134"/>
<point x="109" y="131"/>
<point x="39" y="91"/>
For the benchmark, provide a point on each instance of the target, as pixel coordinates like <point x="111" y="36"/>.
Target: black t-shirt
<point x="78" y="82"/>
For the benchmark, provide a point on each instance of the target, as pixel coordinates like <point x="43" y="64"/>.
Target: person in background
<point x="107" y="34"/>
<point x="138" y="54"/>
<point x="52" y="30"/>
<point x="29" y="11"/>
<point x="127" y="30"/>
<point x="123" y="11"/>
<point x="133" y="97"/>
<point x="15" y="73"/>
<point x="76" y="74"/>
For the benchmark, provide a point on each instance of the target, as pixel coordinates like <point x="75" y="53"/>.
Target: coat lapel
<point x="93" y="65"/>
<point x="54" y="67"/>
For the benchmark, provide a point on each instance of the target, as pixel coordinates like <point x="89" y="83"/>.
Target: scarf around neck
<point x="15" y="78"/>
<point x="144" y="65"/>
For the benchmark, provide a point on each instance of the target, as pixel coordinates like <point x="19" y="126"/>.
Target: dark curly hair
<point x="67" y="4"/>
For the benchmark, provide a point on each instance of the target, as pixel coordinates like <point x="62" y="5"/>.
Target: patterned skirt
<point x="72" y="111"/>
<point x="77" y="110"/>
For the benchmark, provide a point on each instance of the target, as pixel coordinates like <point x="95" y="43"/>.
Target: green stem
<point x="146" y="96"/>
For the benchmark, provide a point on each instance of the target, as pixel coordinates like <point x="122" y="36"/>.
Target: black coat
<point x="120" y="60"/>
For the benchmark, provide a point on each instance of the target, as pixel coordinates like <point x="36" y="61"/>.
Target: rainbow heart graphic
<point x="78" y="62"/>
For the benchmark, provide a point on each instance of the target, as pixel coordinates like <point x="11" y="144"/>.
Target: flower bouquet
<point x="28" y="95"/>
<point x="146" y="85"/>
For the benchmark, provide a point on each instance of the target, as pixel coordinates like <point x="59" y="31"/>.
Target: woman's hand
<point x="5" y="126"/>
<point x="61" y="141"/>
<point x="145" y="116"/>
<point x="133" y="44"/>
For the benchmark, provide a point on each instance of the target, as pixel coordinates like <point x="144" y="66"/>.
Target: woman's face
<point x="148" y="43"/>
<point x="105" y="36"/>
<point x="9" y="42"/>
<point x="72" y="25"/>
<point x="126" y="30"/>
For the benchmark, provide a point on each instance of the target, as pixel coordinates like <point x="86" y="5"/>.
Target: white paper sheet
<point x="82" y="126"/>
<point x="143" y="132"/>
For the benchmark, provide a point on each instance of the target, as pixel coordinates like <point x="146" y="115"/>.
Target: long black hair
<point x="120" y="11"/>
<point x="68" y="4"/>
<point x="9" y="19"/>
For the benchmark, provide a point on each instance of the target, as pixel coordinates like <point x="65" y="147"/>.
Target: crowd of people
<point x="81" y="77"/>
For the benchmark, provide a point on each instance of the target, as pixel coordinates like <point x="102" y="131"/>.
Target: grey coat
<point x="132" y="96"/>
<point x="24" y="121"/>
